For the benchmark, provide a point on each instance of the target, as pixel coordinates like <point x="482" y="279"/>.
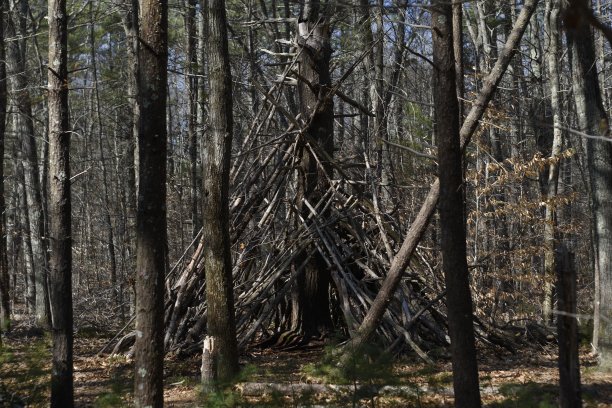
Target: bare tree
<point x="151" y="235"/>
<point x="129" y="19"/>
<point x="593" y="120"/>
<point x="5" y="305"/>
<point x="62" y="388"/>
<point x="311" y="313"/>
<point x="450" y="207"/>
<point x="215" y="198"/>
<point x="191" y="80"/>
<point x="550" y="227"/>
<point x="96" y="112"/>
<point x="24" y="125"/>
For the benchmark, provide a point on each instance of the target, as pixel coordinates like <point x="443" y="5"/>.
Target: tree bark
<point x="130" y="26"/>
<point x="151" y="234"/>
<point x="95" y="102"/>
<point x="550" y="225"/>
<point x="452" y="226"/>
<point x="62" y="389"/>
<point x="215" y="198"/>
<point x="5" y="304"/>
<point x="567" y="331"/>
<point x="593" y="121"/>
<point x="312" y="313"/>
<point x="22" y="204"/>
<point x="458" y="52"/>
<point x="24" y="125"/>
<point x="191" y="81"/>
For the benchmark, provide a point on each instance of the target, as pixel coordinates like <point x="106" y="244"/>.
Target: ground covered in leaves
<point x="279" y="379"/>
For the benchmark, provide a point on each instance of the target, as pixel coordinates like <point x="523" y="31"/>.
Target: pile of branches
<point x="270" y="234"/>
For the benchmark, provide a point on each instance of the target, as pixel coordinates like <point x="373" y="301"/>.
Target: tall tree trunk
<point x="215" y="198"/>
<point x="62" y="389"/>
<point x="110" y="233"/>
<point x="363" y="22"/>
<point x="452" y="226"/>
<point x="5" y="305"/>
<point x="130" y="26"/>
<point x="567" y="331"/>
<point x="192" y="93"/>
<point x="24" y="125"/>
<point x="313" y="312"/>
<point x="22" y="204"/>
<point x="458" y="52"/>
<point x="378" y="101"/>
<point x="550" y="226"/>
<point x="593" y="121"/>
<point x="151" y="234"/>
<point x="202" y="102"/>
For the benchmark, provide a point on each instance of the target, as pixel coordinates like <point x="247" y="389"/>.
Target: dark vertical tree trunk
<point x="215" y="198"/>
<point x="567" y="331"/>
<point x="593" y="120"/>
<point x="313" y="312"/>
<point x="5" y="305"/>
<point x="60" y="208"/>
<point x="151" y="234"/>
<point x="450" y="207"/>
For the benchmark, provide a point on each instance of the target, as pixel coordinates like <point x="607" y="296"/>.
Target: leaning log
<point x="418" y="227"/>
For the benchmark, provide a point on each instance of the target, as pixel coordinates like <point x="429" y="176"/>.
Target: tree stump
<point x="208" y="364"/>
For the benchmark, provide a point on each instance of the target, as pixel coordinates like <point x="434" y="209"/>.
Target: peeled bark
<point x="60" y="279"/>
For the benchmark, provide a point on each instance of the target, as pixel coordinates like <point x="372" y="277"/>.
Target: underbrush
<point x="24" y="372"/>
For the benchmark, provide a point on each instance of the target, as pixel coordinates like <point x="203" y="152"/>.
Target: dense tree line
<point x="280" y="172"/>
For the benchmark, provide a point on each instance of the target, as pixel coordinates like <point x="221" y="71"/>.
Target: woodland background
<point x="527" y="185"/>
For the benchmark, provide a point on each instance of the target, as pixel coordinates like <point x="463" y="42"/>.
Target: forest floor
<point x="275" y="379"/>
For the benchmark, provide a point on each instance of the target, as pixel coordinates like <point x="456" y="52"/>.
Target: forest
<point x="331" y="203"/>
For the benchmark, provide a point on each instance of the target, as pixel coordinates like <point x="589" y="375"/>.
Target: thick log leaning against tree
<point x="418" y="227"/>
